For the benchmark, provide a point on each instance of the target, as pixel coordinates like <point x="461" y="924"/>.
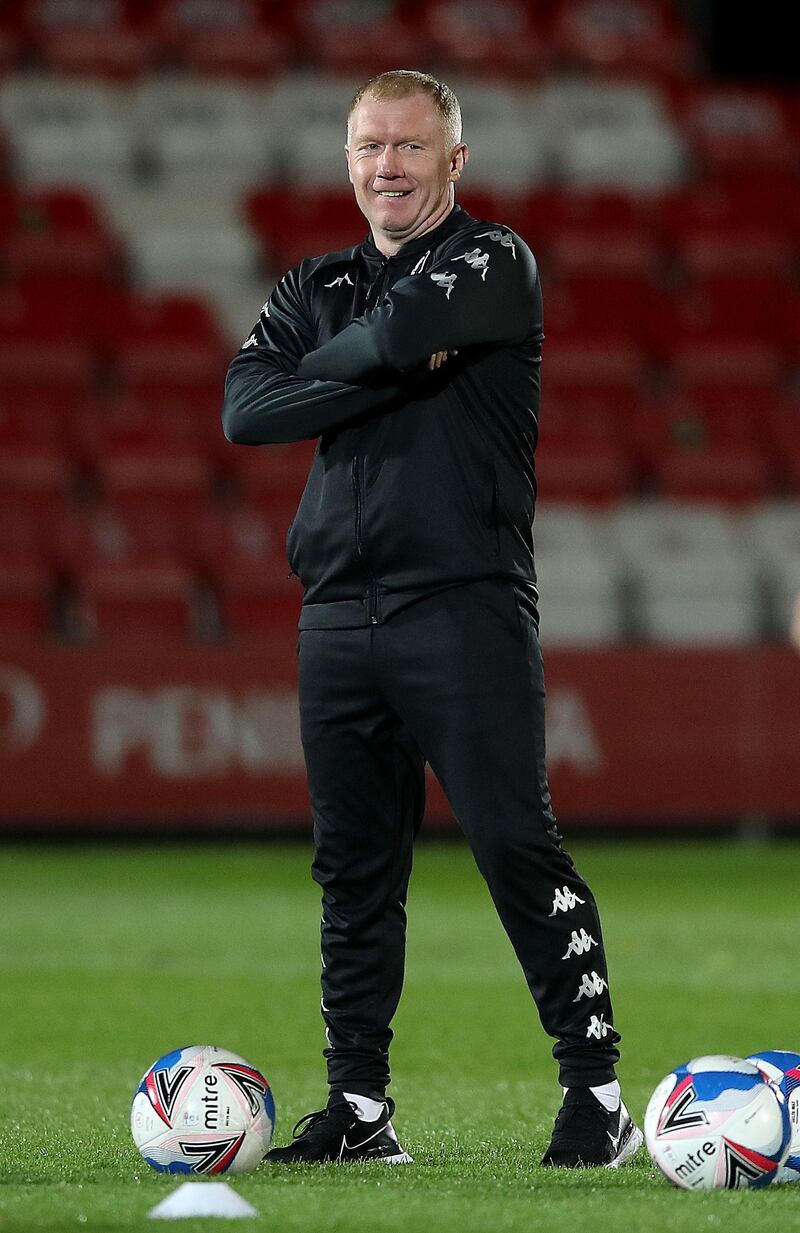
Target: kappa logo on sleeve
<point x="265" y="309"/>
<point x="445" y="281"/>
<point x="252" y="341"/>
<point x="337" y="282"/>
<point x="500" y="237"/>
<point x="476" y="260"/>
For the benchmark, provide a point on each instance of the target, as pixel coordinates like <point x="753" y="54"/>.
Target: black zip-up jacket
<point x="421" y="480"/>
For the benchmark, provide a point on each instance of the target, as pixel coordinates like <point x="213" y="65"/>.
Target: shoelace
<point x="309" y="1123"/>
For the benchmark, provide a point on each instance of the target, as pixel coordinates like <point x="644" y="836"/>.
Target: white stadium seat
<point x="187" y="128"/>
<point x="689" y="576"/>
<point x="69" y="132"/>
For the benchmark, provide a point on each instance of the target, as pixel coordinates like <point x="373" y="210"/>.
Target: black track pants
<point x="455" y="679"/>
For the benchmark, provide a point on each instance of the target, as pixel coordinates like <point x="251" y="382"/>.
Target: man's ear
<point x="458" y="160"/>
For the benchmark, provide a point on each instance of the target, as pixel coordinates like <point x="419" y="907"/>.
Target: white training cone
<point x="203" y="1199"/>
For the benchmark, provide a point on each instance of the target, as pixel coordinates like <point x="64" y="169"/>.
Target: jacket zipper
<point x="359" y="486"/>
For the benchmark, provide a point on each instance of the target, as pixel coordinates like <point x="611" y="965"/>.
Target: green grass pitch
<point x="111" y="956"/>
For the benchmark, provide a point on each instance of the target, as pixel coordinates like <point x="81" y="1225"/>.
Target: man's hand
<point x="438" y="358"/>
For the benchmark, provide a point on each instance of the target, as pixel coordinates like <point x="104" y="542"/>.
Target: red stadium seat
<point x="168" y="346"/>
<point x="711" y="310"/>
<point x="783" y="427"/>
<point x="353" y="38"/>
<point x="243" y="557"/>
<point x="272" y="474"/>
<point x="43" y="353"/>
<point x="25" y="598"/>
<point x="251" y="606"/>
<point x="39" y="478"/>
<point x="486" y="37"/>
<point x="238" y="38"/>
<point x="58" y="231"/>
<point x="692" y="451"/>
<point x="104" y="40"/>
<point x="241" y="539"/>
<point x="173" y="480"/>
<point x="108" y="535"/>
<point x="584" y="451"/>
<point x="738" y="128"/>
<point x="599" y="475"/>
<point x="127" y="422"/>
<point x="626" y="36"/>
<point x="727" y="361"/>
<point x="590" y="306"/>
<point x="292" y="225"/>
<point x="736" y="475"/>
<point x="611" y="365"/>
<point x="136" y="601"/>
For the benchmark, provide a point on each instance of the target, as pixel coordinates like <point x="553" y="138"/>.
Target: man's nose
<point x="389" y="165"/>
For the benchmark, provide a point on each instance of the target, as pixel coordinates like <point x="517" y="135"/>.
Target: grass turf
<point x="111" y="956"/>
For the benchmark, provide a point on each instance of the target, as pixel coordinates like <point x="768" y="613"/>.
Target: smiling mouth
<point x="386" y="192"/>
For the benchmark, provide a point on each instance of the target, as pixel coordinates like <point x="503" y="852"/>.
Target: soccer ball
<point x="202" y="1110"/>
<point x="717" y="1122"/>
<point x="784" y="1069"/>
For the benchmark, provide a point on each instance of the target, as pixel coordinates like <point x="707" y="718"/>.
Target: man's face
<point x="401" y="167"/>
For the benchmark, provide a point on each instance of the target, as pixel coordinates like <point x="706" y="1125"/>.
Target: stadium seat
<point x="609" y="365"/>
<point x="737" y="128"/>
<point x="26" y="593"/>
<point x="58" y="232"/>
<point x="242" y="553"/>
<point x="67" y="365"/>
<point x="231" y="38"/>
<point x="745" y="309"/>
<point x="68" y="132"/>
<point x="292" y="226"/>
<point x="102" y="39"/>
<point x="640" y="157"/>
<point x="351" y="38"/>
<point x="689" y="425"/>
<point x="274" y="473"/>
<point x="580" y="602"/>
<point x="166" y="346"/>
<point x="105" y="534"/>
<point x="171" y="479"/>
<point x="135" y="601"/>
<point x="186" y="126"/>
<point x="584" y="451"/>
<point x="690" y="578"/>
<point x="784" y="431"/>
<point x="608" y="134"/>
<point x="771" y="533"/>
<point x="125" y="421"/>
<point x="630" y="37"/>
<point x="484" y="38"/>
<point x="598" y="474"/>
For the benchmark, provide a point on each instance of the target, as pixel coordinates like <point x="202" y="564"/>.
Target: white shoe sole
<point x="400" y="1158"/>
<point x="628" y="1149"/>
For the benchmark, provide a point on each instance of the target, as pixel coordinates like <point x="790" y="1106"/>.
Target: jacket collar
<point x="454" y="220"/>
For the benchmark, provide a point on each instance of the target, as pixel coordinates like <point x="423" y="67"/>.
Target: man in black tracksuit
<point x="414" y="358"/>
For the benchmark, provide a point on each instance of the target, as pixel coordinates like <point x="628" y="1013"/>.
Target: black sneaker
<point x="338" y="1134"/>
<point x="585" y="1134"/>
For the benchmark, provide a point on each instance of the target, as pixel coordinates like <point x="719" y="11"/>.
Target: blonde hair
<point x="403" y="83"/>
